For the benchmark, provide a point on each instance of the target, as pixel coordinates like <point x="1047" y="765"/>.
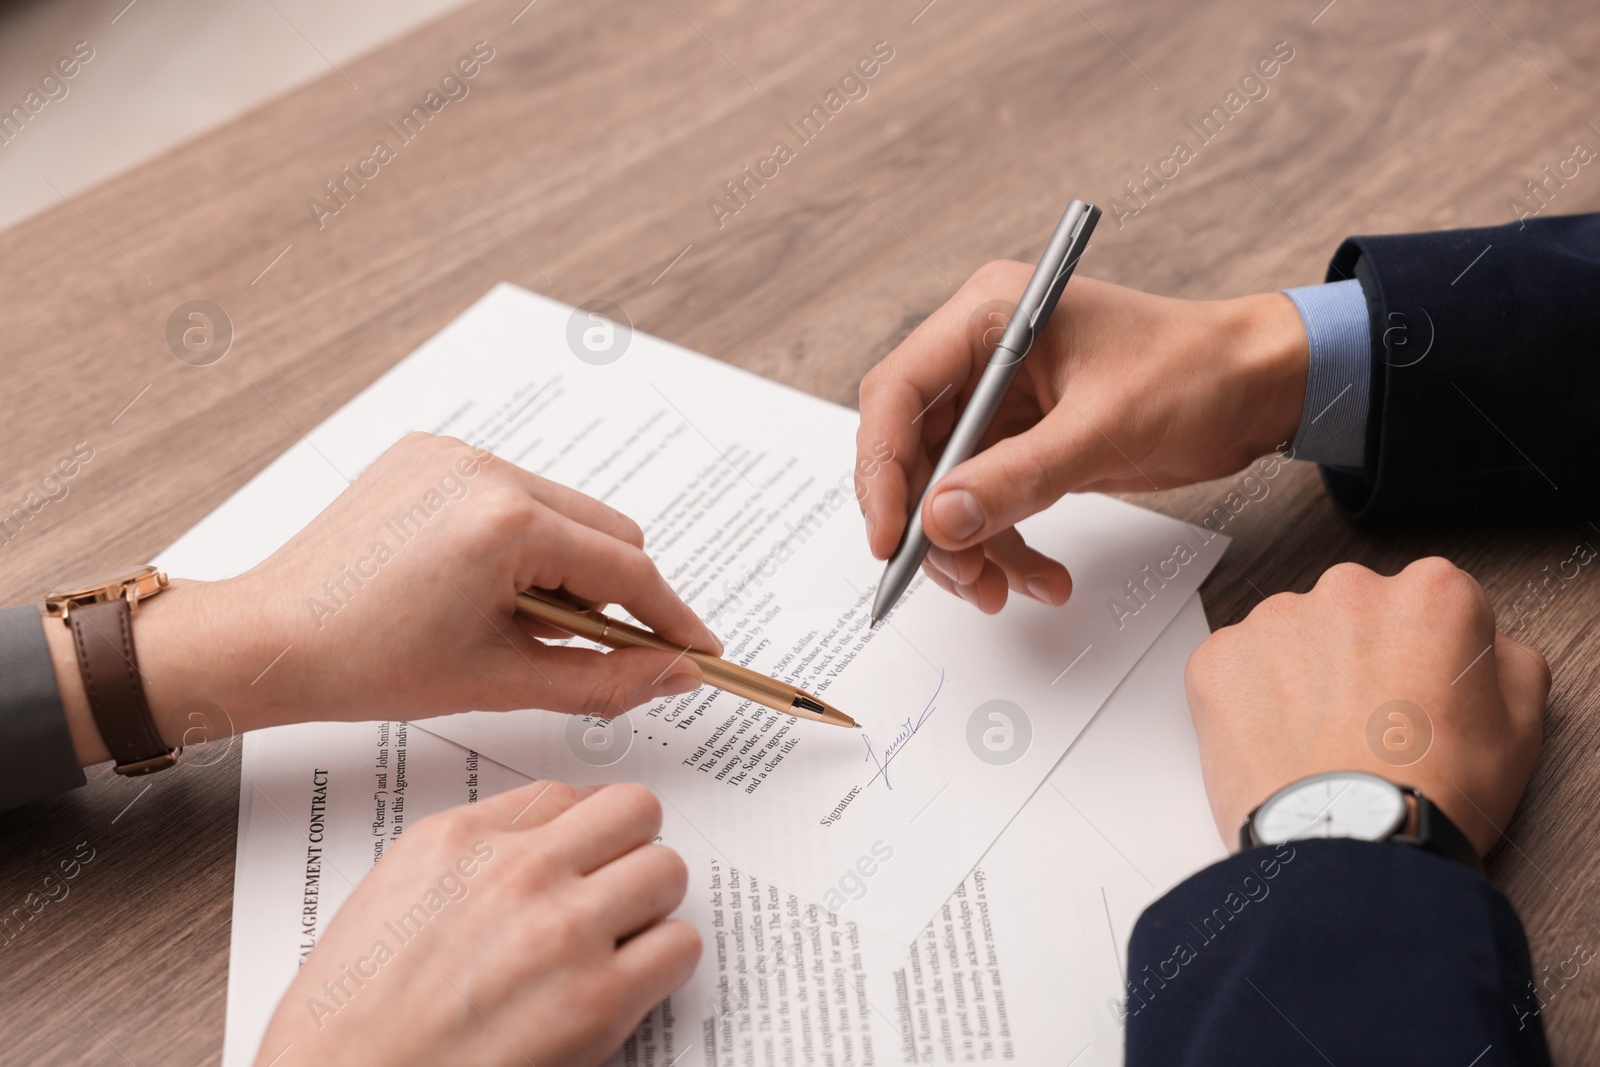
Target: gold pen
<point x="740" y="681"/>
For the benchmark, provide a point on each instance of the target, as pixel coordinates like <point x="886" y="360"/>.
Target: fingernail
<point x="957" y="514"/>
<point x="872" y="527"/>
<point x="1039" y="589"/>
<point x="942" y="561"/>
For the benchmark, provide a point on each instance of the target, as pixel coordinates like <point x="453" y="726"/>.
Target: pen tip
<point x="872" y="623"/>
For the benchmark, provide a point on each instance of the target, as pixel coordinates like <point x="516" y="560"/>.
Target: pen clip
<point x="1069" y="242"/>
<point x="1077" y="245"/>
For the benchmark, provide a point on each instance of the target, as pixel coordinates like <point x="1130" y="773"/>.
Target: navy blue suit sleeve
<point x="1485" y="370"/>
<point x="1346" y="952"/>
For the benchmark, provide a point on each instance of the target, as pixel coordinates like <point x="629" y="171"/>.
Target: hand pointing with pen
<point x="399" y="601"/>
<point x="1122" y="391"/>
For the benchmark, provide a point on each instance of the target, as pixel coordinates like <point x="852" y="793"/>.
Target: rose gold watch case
<point x="132" y="586"/>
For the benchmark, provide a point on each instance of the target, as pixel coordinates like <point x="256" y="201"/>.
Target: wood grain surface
<point x="580" y="165"/>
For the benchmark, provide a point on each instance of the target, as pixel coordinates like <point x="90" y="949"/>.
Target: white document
<point x="1121" y="820"/>
<point x="1022" y="964"/>
<point x="743" y="488"/>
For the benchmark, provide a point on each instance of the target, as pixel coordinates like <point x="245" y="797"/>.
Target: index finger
<point x="611" y="822"/>
<point x="533" y="804"/>
<point x="921" y="377"/>
<point x="577" y="505"/>
<point x="563" y="553"/>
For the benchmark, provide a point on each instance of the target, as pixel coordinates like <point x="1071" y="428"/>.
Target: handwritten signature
<point x="908" y="730"/>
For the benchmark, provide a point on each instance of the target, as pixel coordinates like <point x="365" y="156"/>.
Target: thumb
<point x="1016" y="477"/>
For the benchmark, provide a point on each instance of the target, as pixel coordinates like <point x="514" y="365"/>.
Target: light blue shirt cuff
<point x="1333" y="423"/>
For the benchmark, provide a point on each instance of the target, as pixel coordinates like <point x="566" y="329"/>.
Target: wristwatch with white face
<point x="1355" y="805"/>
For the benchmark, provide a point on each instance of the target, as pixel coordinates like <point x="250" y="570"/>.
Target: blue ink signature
<point x="908" y="730"/>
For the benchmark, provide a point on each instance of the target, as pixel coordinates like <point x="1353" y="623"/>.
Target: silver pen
<point x="1039" y="299"/>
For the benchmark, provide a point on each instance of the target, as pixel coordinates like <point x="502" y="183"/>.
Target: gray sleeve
<point x="37" y="758"/>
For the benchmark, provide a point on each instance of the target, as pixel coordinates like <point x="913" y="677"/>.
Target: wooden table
<point x="581" y="165"/>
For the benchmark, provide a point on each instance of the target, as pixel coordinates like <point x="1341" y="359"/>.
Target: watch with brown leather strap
<point x="100" y="613"/>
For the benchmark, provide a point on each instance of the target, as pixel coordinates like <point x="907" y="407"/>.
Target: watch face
<point x="78" y="585"/>
<point x="1345" y="804"/>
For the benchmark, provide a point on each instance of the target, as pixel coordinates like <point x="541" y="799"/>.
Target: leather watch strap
<point x="1438" y="834"/>
<point x="103" y="636"/>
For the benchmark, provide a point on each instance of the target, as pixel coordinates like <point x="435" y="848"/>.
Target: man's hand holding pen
<point x="1122" y="391"/>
